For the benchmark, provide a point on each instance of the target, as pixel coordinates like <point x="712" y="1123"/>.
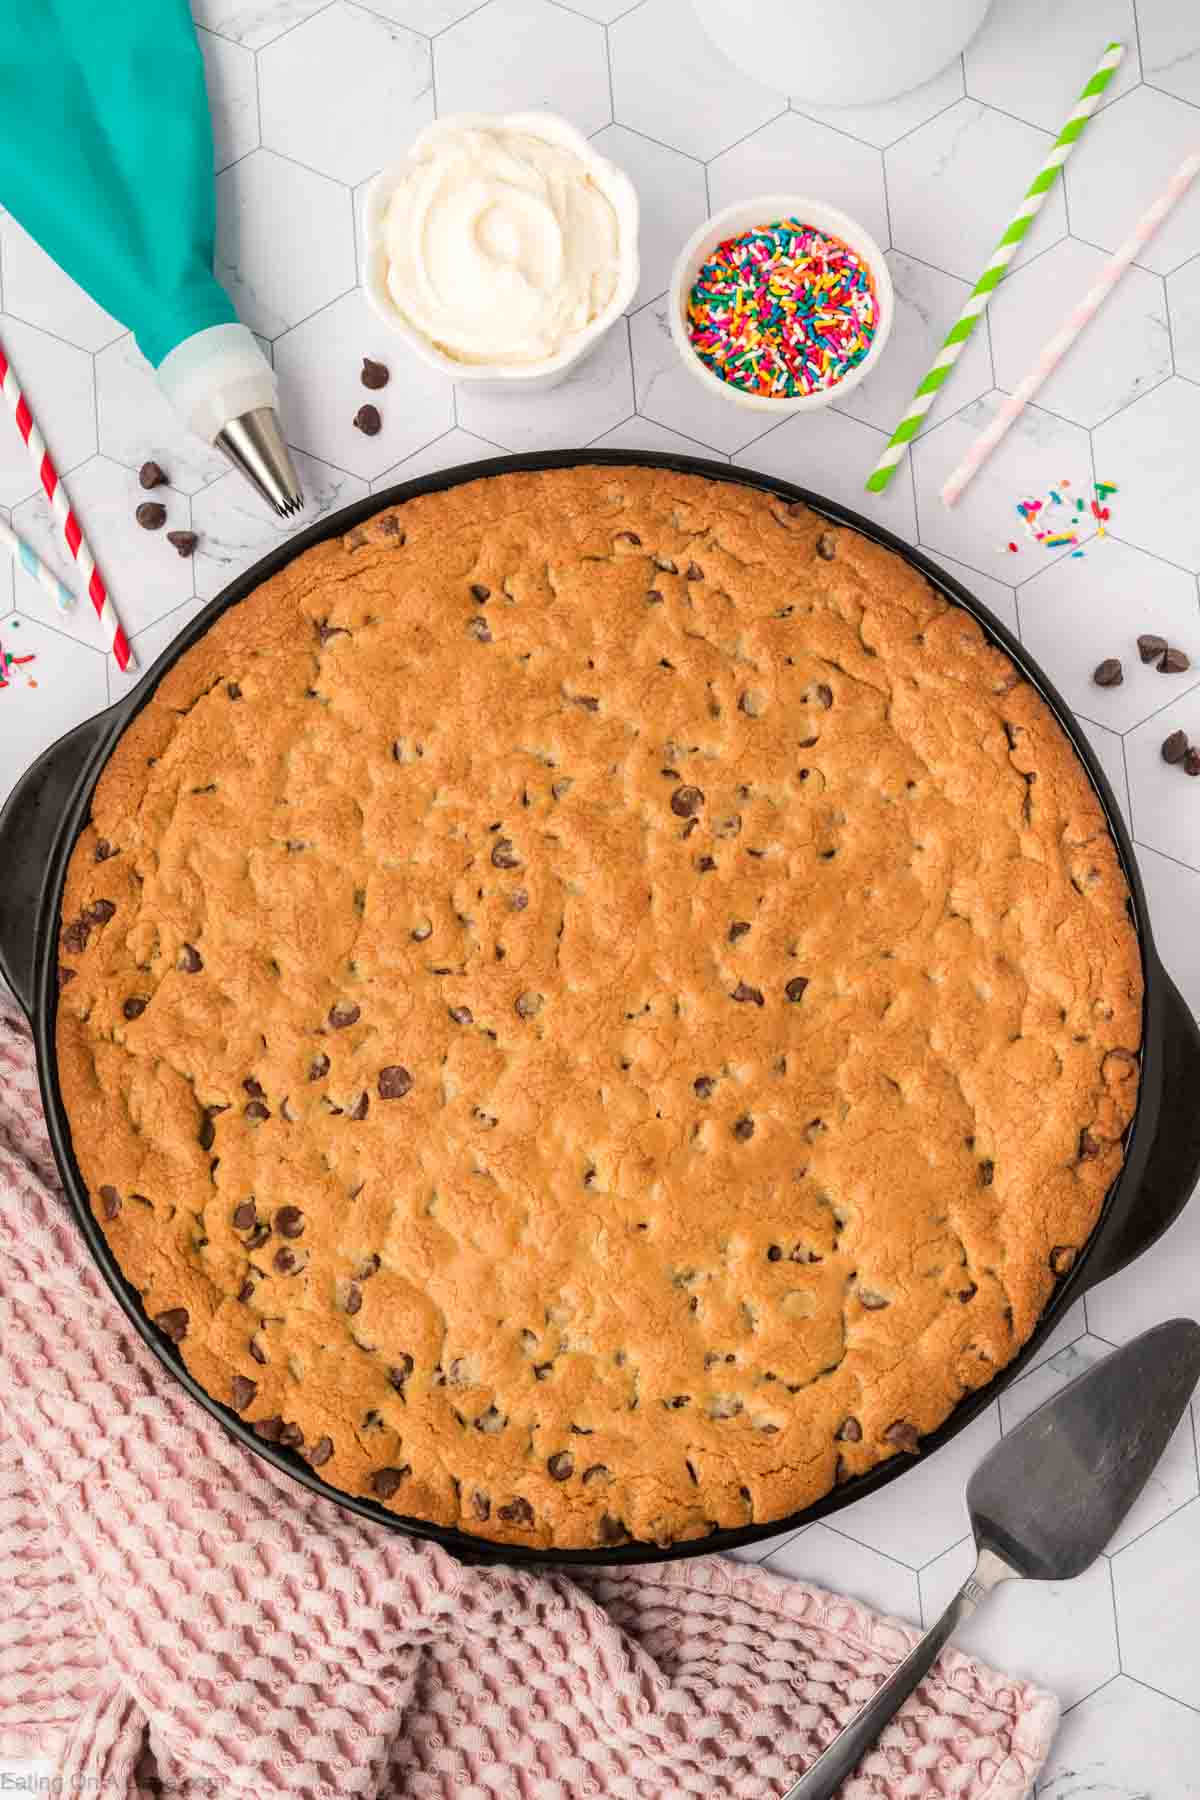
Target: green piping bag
<point x="106" y="158"/>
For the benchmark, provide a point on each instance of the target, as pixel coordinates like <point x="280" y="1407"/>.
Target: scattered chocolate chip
<point x="686" y="802"/>
<point x="343" y="1014"/>
<point x="353" y="1298"/>
<point x="151" y="516"/>
<point x="257" y="1351"/>
<point x="173" y="1323"/>
<point x="400" y="1372"/>
<point x="151" y="476"/>
<point x="504" y="856"/>
<point x="242" y="1392"/>
<point x="65" y="975"/>
<point x="254" y="1088"/>
<point x="612" y="1531"/>
<point x="233" y="689"/>
<point x="693" y="572"/>
<point x="774" y="1253"/>
<point x="904" y="1436"/>
<point x="479" y="629"/>
<point x="704" y="1087"/>
<point x="368" y="421"/>
<point x="104" y="850"/>
<point x="517" y="1512"/>
<point x="110" y="1200"/>
<point x="987" y="1171"/>
<point x="270" y="1430"/>
<point x="258" y="1236"/>
<point x="184" y="541"/>
<point x="134" y="1007"/>
<point x="289" y="1221"/>
<point x="318" y="1068"/>
<point x="795" y="988"/>
<point x="292" y="1436"/>
<point x="1191" y="762"/>
<point x="1175" y="747"/>
<point x="480" y="593"/>
<point x="871" y="1301"/>
<point x="743" y="1129"/>
<point x="1062" y="1259"/>
<point x="99" y="912"/>
<point x="462" y="1015"/>
<point x="189" y="960"/>
<point x="653" y="597"/>
<point x="518" y="900"/>
<point x="1174" y="662"/>
<point x="561" y="1465"/>
<point x="246" y="1292"/>
<point x="361" y="1107"/>
<point x="1088" y="1146"/>
<point x="245" y="1218"/>
<point x="257" y="1109"/>
<point x="1150" y="647"/>
<point x="827" y="546"/>
<point x="75" y="937"/>
<point x="596" y="1472"/>
<point x="321" y="1452"/>
<point x="285" y="1260"/>
<point x="737" y="928"/>
<point x="375" y="375"/>
<point x="850" y="1431"/>
<point x="628" y="537"/>
<point x="745" y="993"/>
<point x="481" y="1506"/>
<point x="420" y="933"/>
<point x="395" y="1081"/>
<point x="529" y="1004"/>
<point x="1109" y="673"/>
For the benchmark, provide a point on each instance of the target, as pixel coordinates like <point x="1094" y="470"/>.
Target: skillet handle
<point x="29" y="827"/>
<point x="1156" y="1199"/>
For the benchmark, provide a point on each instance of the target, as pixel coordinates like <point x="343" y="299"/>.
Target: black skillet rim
<point x="1139" y="1136"/>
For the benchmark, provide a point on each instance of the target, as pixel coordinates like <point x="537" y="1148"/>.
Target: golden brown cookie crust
<point x="596" y="1005"/>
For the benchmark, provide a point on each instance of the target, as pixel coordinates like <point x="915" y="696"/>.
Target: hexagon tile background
<point x="310" y="97"/>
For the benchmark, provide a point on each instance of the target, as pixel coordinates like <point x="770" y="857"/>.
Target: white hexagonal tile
<point x="1170" y="40"/>
<point x="37" y="290"/>
<point x="595" y="396"/>
<point x="1032" y="61"/>
<point x="1075" y="613"/>
<point x="927" y="304"/>
<point x="1174" y="899"/>
<point x="1161" y="1284"/>
<point x="1155" y="440"/>
<point x="997" y="596"/>
<point x="1039" y="451"/>
<point x="1060" y="1634"/>
<point x="669" y="395"/>
<point x="832" y="456"/>
<point x="63" y="684"/>
<point x="954" y="185"/>
<point x="518" y="54"/>
<point x="758" y="1553"/>
<point x="1183" y="301"/>
<point x="285" y="240"/>
<point x="252" y="22"/>
<point x="1173" y="1482"/>
<point x="148" y="646"/>
<point x="829" y="1560"/>
<point x="1157" y="1585"/>
<point x="319" y="365"/>
<point x="1125" y="351"/>
<point x="1124" y="1743"/>
<point x="925" y="1510"/>
<point x="643" y="434"/>
<point x="1117" y="172"/>
<point x="1071" y="1326"/>
<point x="446" y="452"/>
<point x="1165" y="801"/>
<point x="232" y="97"/>
<point x="346" y="92"/>
<point x="56" y="380"/>
<point x="791" y="153"/>
<point x="136" y="424"/>
<point x="889" y="120"/>
<point x="427" y="16"/>
<point x="145" y="575"/>
<point x="235" y="527"/>
<point x="706" y="104"/>
<point x="672" y="196"/>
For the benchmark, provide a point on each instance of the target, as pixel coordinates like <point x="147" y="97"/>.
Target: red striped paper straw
<point x="1081" y="315"/>
<point x="106" y="612"/>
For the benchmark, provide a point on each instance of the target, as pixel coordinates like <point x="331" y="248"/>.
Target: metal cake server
<point x="1044" y="1503"/>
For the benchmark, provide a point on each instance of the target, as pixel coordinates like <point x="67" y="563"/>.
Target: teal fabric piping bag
<point x="106" y="159"/>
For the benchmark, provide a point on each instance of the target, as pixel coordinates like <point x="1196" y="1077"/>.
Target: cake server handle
<point x="843" y="1755"/>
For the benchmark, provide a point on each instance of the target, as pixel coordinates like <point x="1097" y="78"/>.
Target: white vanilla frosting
<point x="500" y="246"/>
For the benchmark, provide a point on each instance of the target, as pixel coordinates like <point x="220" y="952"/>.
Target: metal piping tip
<point x="254" y="444"/>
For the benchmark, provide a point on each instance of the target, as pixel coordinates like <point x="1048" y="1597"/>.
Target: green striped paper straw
<point x="996" y="269"/>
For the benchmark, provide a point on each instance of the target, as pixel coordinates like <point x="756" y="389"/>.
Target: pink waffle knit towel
<point x="176" y="1618"/>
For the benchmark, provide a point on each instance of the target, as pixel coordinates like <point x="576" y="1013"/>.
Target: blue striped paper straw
<point x="31" y="562"/>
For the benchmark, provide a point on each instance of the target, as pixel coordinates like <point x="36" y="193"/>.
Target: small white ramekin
<point x="611" y="181"/>
<point x="752" y="214"/>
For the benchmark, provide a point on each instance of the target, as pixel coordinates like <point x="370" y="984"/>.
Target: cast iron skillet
<point x="49" y="807"/>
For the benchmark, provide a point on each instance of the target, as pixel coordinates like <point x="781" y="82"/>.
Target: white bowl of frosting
<point x="501" y="248"/>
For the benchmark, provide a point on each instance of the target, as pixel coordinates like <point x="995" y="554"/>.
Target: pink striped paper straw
<point x="106" y="612"/>
<point x="1073" y="324"/>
